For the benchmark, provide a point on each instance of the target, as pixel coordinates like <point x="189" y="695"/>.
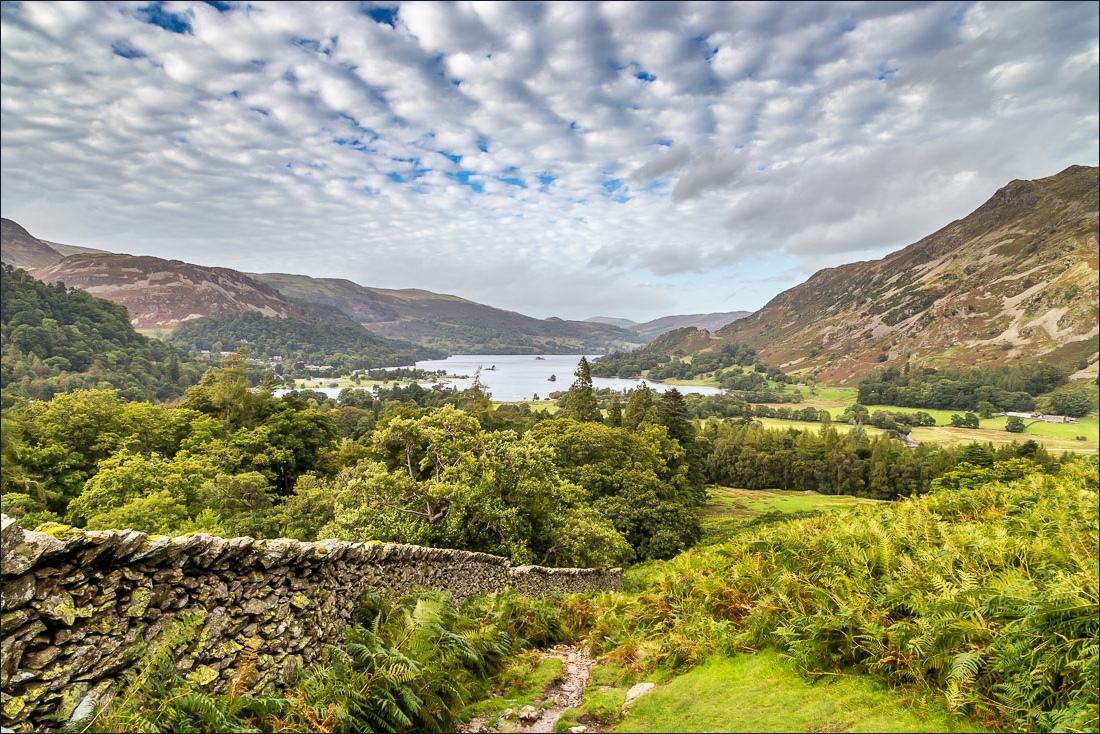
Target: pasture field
<point x="730" y="510"/>
<point x="1054" y="436"/>
<point x="765" y="693"/>
<point x="812" y="426"/>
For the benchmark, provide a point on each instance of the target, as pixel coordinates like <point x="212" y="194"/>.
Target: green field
<point x="729" y="510"/>
<point x="1055" y="436"/>
<point x="766" y="693"/>
<point x="812" y="426"/>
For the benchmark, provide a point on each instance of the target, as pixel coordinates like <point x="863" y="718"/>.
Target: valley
<point x="770" y="496"/>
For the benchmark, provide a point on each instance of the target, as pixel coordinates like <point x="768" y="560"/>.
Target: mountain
<point x="653" y="329"/>
<point x="325" y="337"/>
<point x="164" y="293"/>
<point x="22" y="250"/>
<point x="1014" y="281"/>
<point x="706" y="321"/>
<point x="449" y="323"/>
<point x="55" y="339"/>
<point x="612" y="321"/>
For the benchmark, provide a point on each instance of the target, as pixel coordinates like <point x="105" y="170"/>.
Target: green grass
<point x="729" y="510"/>
<point x="1087" y="427"/>
<point x="1055" y="436"/>
<point x="764" y="692"/>
<point x="601" y="706"/>
<point x="522" y="684"/>
<point x="811" y="425"/>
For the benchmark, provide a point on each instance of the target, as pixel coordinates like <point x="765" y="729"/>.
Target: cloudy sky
<point x="557" y="159"/>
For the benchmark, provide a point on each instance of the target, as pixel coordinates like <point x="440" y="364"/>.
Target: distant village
<point x="1043" y="418"/>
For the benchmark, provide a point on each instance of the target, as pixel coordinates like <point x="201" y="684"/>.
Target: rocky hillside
<point x="164" y="293"/>
<point x="449" y="323"/>
<point x="22" y="250"/>
<point x="1014" y="281"/>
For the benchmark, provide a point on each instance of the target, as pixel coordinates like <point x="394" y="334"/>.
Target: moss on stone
<point x="139" y="602"/>
<point x="203" y="675"/>
<point x="57" y="530"/>
<point x="13" y="706"/>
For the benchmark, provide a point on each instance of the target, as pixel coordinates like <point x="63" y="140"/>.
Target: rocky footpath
<point x="80" y="607"/>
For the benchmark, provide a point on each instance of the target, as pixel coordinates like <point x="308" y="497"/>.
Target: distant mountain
<point x="67" y="250"/>
<point x="1014" y="281"/>
<point x="653" y="329"/>
<point x="706" y="321"/>
<point x="449" y="323"/>
<point x="22" y="250"/>
<point x="164" y="293"/>
<point x="612" y="321"/>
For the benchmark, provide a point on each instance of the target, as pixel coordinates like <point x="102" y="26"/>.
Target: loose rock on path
<point x="561" y="694"/>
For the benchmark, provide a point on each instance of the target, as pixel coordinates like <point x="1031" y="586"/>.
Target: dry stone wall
<point x="79" y="607"/>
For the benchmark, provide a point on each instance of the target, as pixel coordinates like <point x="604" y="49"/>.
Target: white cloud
<point x="666" y="153"/>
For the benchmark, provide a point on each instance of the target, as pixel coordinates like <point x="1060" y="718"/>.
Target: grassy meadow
<point x="766" y="693"/>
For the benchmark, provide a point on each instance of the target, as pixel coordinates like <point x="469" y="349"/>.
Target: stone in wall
<point x="78" y="608"/>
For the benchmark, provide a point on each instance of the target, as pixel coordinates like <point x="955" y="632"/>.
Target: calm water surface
<point x="519" y="377"/>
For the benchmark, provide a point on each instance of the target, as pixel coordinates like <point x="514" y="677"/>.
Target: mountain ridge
<point x="1014" y="280"/>
<point x="444" y="321"/>
<point x="161" y="293"/>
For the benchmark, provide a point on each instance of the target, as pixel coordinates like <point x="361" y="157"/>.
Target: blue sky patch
<point x="126" y="51"/>
<point x="220" y="6"/>
<point x="418" y="170"/>
<point x="511" y="177"/>
<point x="455" y="157"/>
<point x="155" y="14"/>
<point x="614" y="190"/>
<point x="463" y="177"/>
<point x="383" y="15"/>
<point x="354" y="144"/>
<point x="709" y="51"/>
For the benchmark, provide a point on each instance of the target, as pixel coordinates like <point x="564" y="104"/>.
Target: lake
<point x="514" y="378"/>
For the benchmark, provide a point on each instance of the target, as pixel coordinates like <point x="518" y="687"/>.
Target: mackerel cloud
<point x="567" y="159"/>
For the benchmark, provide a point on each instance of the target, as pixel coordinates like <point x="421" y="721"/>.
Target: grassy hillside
<point x="981" y="595"/>
<point x="1014" y="281"/>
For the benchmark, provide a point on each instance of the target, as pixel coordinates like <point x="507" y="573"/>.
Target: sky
<point x="620" y="159"/>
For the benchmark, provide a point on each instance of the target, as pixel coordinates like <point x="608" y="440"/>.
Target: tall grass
<point x="983" y="590"/>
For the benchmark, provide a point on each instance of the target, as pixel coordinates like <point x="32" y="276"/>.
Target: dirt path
<point x="565" y="693"/>
<point x="561" y="694"/>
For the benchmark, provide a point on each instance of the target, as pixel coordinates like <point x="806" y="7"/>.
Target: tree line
<point x="979" y="390"/>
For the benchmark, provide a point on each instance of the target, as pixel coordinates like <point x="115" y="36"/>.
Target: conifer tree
<point x="580" y="401"/>
<point x="641" y="408"/>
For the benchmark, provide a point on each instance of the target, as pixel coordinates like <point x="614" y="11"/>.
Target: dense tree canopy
<point x="327" y="337"/>
<point x="55" y="340"/>
<point x="1007" y="388"/>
